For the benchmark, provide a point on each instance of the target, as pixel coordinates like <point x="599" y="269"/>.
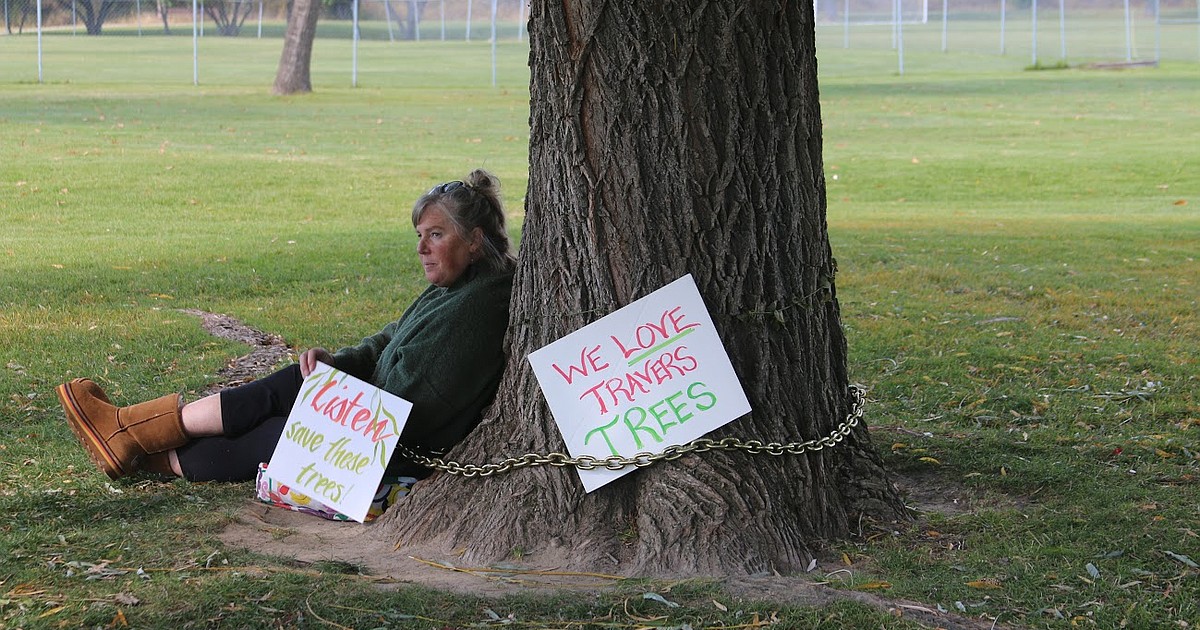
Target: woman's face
<point x="443" y="253"/>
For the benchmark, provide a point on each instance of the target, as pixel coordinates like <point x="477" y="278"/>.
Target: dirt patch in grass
<point x="267" y="350"/>
<point x="931" y="492"/>
<point x="358" y="549"/>
<point x="928" y="492"/>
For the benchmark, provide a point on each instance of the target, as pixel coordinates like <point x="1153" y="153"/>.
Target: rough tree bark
<point x="293" y="74"/>
<point x="668" y="138"/>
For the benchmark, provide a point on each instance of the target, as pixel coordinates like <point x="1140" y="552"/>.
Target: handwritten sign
<point x="338" y="439"/>
<point x="645" y="377"/>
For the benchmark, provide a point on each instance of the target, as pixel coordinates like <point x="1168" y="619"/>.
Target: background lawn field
<point x="1018" y="279"/>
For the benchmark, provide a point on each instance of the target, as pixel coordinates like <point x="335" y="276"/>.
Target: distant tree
<point x="24" y="14"/>
<point x="228" y="16"/>
<point x="164" y="8"/>
<point x="408" y="21"/>
<point x="338" y="9"/>
<point x="293" y="75"/>
<point x="412" y="18"/>
<point x="95" y="12"/>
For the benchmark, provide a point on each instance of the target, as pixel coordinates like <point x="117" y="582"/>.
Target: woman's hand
<point x="309" y="359"/>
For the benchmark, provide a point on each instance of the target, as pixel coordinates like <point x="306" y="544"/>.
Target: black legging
<point x="253" y="416"/>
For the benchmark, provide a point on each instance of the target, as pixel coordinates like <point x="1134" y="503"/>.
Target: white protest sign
<point x="650" y="375"/>
<point x="338" y="439"/>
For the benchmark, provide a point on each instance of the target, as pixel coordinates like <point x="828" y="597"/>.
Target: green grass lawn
<point x="1018" y="281"/>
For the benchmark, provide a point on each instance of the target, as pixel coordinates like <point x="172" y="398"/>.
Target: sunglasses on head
<point x="447" y="187"/>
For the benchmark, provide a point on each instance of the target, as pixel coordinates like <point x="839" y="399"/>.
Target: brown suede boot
<point x="117" y="438"/>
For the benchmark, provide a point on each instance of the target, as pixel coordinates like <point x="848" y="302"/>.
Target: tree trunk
<point x="669" y="138"/>
<point x="411" y="24"/>
<point x="228" y="16"/>
<point x="293" y="75"/>
<point x="91" y="12"/>
<point x="163" y="11"/>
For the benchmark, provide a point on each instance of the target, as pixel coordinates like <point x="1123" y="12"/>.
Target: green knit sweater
<point x="445" y="355"/>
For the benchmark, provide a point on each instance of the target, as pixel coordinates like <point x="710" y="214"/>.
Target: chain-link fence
<point x="378" y="19"/>
<point x="236" y="41"/>
<point x="908" y="35"/>
<point x="1036" y="32"/>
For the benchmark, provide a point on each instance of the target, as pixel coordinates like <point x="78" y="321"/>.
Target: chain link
<point x="641" y="460"/>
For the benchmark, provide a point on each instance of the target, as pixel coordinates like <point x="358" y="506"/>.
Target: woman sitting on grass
<point x="444" y="355"/>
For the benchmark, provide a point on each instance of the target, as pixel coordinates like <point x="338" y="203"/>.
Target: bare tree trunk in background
<point x="94" y="13"/>
<point x="293" y="74"/>
<point x="671" y="137"/>
<point x="163" y="7"/>
<point x="390" y="14"/>
<point x="412" y="23"/>
<point x="410" y="26"/>
<point x="228" y="16"/>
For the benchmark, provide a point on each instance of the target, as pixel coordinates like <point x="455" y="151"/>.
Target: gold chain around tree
<point x="641" y="460"/>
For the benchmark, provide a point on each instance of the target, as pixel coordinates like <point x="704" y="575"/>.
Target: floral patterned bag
<point x="271" y="492"/>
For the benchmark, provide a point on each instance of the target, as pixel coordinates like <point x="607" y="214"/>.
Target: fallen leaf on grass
<point x="986" y="583"/>
<point x="1093" y="571"/>
<point x="127" y="599"/>
<point x="93" y="571"/>
<point x="929" y="460"/>
<point x="52" y="611"/>
<point x="1180" y="558"/>
<point x="874" y="586"/>
<point x="660" y="599"/>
